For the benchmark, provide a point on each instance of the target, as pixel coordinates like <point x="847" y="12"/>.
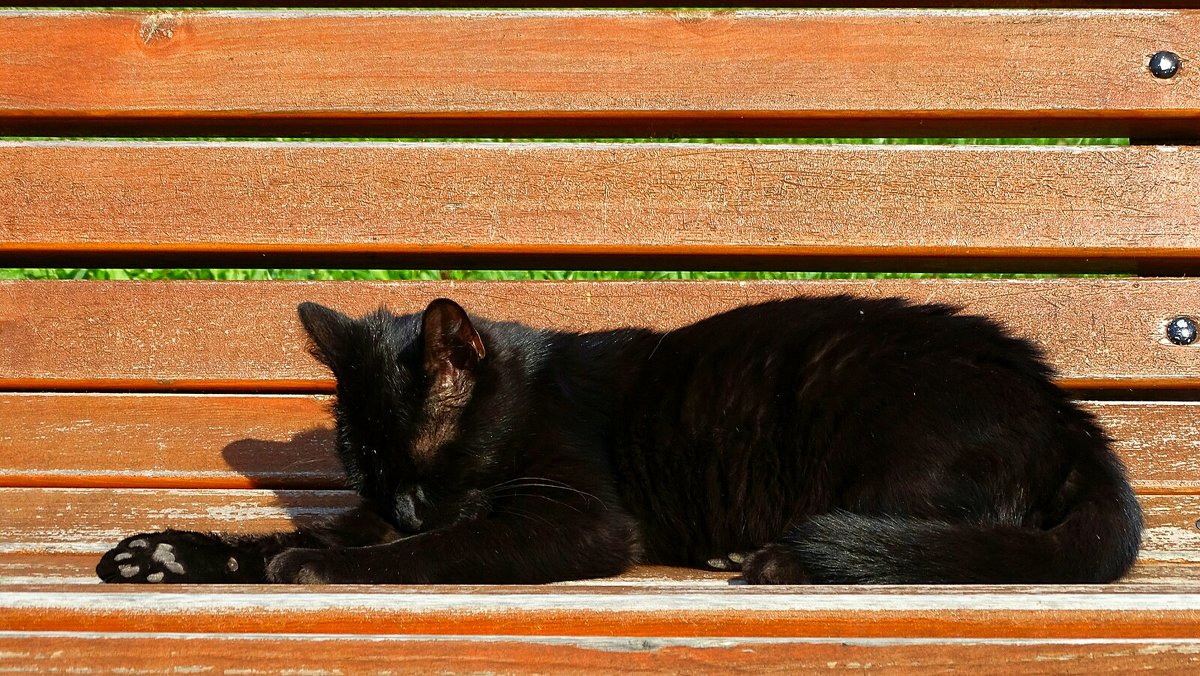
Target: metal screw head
<point x="1164" y="65"/>
<point x="1181" y="331"/>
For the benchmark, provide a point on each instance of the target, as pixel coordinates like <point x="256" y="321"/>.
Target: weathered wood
<point x="285" y="441"/>
<point x="40" y="568"/>
<point x="1159" y="442"/>
<point x="581" y="205"/>
<point x="165" y="441"/>
<point x="23" y="568"/>
<point x="203" y="335"/>
<point x="557" y="4"/>
<point x="1124" y="611"/>
<point x="91" y="652"/>
<point x="92" y="520"/>
<point x="78" y="520"/>
<point x="1172" y="528"/>
<point x="610" y="73"/>
<point x="79" y="568"/>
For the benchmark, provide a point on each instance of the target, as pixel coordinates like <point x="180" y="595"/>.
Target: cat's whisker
<point x="526" y="515"/>
<point x="538" y="481"/>
<point x="584" y="494"/>
<point x="544" y="497"/>
<point x="532" y="478"/>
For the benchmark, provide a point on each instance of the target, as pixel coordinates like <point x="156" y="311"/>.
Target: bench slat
<point x="42" y="568"/>
<point x="589" y="205"/>
<point x="39" y="568"/>
<point x="585" y="204"/>
<point x="1124" y="611"/>
<point x="290" y="654"/>
<point x="611" y="73"/>
<point x="721" y="4"/>
<point x="229" y="335"/>
<point x="77" y="520"/>
<point x="169" y="441"/>
<point x="284" y="441"/>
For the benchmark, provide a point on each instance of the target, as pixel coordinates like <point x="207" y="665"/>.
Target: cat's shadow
<point x="303" y="472"/>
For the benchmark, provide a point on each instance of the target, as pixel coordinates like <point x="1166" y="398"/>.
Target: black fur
<point x="818" y="440"/>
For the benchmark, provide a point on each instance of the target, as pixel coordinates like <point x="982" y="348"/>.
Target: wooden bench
<point x="128" y="406"/>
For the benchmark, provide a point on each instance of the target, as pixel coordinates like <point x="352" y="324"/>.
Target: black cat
<point x="813" y="440"/>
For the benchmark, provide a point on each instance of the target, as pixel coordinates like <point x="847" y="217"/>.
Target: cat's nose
<point x="407" y="509"/>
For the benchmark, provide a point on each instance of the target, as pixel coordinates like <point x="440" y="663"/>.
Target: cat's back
<point x="763" y="409"/>
<point x="804" y="331"/>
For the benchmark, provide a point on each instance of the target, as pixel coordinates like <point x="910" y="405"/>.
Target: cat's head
<point x="423" y="411"/>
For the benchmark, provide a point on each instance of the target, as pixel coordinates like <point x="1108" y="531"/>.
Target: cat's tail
<point x="1095" y="542"/>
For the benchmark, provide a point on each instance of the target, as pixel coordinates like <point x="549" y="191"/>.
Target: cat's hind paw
<point x="774" y="564"/>
<point x="170" y="556"/>
<point x="300" y="566"/>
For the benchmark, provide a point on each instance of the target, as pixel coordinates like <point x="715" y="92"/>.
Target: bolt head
<point x="1181" y="331"/>
<point x="1164" y="65"/>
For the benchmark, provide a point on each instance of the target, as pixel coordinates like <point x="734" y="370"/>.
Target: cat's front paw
<point x="301" y="566"/>
<point x="172" y="556"/>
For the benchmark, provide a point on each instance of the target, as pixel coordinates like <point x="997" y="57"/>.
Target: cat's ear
<point x="329" y="331"/>
<point x="451" y="343"/>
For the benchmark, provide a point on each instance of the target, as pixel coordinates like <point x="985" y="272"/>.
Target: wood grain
<point x="41" y="568"/>
<point x="79" y="568"/>
<point x="82" y="520"/>
<point x="556" y="4"/>
<point x="1124" y="611"/>
<point x="93" y="652"/>
<point x="285" y="441"/>
<point x="245" y="336"/>
<point x="168" y="441"/>
<point x="579" y="205"/>
<point x="612" y="73"/>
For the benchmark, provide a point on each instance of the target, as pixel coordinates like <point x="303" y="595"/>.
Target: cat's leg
<point x="527" y="542"/>
<point x="191" y="557"/>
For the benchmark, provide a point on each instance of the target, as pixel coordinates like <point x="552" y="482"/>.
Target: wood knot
<point x="704" y="21"/>
<point x="157" y="30"/>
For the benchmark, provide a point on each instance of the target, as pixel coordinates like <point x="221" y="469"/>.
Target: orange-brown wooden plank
<point x="26" y="568"/>
<point x="1113" y="611"/>
<point x="78" y="520"/>
<point x="584" y="205"/>
<point x="555" y="4"/>
<point x="92" y="520"/>
<point x="165" y="441"/>
<point x="292" y="654"/>
<point x="285" y="441"/>
<point x="566" y="73"/>
<point x="196" y="335"/>
<point x="79" y="568"/>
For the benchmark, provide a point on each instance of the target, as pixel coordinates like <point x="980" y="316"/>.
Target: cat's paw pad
<point x="300" y="566"/>
<point x="774" y="564"/>
<point x="170" y="556"/>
